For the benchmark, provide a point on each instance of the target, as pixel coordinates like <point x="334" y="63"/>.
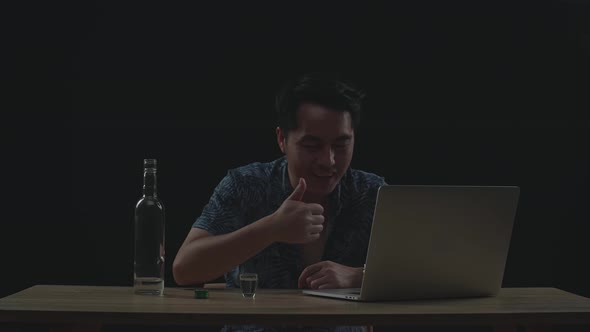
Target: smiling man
<point x="301" y="221"/>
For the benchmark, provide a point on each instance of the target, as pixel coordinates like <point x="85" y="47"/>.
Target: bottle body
<point x="149" y="238"/>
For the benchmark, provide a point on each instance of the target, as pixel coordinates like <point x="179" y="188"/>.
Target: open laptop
<point x="431" y="242"/>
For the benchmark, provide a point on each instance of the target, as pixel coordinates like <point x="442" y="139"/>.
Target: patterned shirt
<point x="249" y="193"/>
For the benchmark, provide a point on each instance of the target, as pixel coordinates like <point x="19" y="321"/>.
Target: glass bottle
<point x="148" y="267"/>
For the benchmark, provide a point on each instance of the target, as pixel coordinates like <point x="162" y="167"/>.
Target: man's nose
<point x="326" y="157"/>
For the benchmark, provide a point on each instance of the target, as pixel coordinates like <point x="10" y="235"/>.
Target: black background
<point x="458" y="92"/>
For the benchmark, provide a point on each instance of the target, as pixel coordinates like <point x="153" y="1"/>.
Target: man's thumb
<point x="297" y="194"/>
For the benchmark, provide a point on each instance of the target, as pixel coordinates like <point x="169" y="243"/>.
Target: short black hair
<point x="324" y="89"/>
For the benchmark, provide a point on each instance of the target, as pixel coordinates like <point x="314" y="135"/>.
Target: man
<point x="302" y="221"/>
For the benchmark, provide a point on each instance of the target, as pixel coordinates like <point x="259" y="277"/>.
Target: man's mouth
<point x="325" y="176"/>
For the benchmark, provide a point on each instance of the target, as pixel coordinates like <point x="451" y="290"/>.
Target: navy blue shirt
<point x="249" y="193"/>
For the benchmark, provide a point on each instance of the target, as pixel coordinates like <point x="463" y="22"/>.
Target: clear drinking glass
<point x="248" y="283"/>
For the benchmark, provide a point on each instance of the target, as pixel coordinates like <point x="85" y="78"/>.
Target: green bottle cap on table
<point x="201" y="293"/>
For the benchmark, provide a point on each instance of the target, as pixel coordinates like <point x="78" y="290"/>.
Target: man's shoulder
<point x="365" y="179"/>
<point x="359" y="183"/>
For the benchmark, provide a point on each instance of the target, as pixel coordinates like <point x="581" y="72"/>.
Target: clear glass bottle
<point x="148" y="267"/>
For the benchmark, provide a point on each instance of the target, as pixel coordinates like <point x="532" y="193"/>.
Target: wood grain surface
<point x="118" y="305"/>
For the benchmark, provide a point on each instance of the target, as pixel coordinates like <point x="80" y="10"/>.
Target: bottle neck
<point x="149" y="183"/>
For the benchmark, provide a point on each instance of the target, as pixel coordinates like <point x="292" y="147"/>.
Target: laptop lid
<point x="438" y="241"/>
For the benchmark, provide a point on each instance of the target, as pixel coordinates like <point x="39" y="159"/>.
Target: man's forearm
<point x="208" y="258"/>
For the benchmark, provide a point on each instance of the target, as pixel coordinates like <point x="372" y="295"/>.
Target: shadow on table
<point x="138" y="328"/>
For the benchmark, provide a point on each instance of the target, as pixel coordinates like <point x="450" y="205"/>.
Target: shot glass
<point x="248" y="282"/>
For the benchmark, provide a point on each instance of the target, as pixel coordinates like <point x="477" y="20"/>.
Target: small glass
<point x="248" y="282"/>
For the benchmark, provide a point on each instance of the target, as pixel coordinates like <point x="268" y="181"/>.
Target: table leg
<point x="537" y="328"/>
<point x="506" y="328"/>
<point x="527" y="328"/>
<point x="76" y="328"/>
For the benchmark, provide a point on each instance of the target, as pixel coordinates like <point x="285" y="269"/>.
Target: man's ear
<point x="281" y="139"/>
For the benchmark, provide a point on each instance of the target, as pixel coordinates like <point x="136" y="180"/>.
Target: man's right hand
<point x="296" y="221"/>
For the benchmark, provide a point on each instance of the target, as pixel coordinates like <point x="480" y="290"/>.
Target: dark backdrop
<point x="460" y="92"/>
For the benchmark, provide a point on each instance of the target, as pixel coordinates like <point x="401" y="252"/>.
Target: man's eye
<point x="340" y="146"/>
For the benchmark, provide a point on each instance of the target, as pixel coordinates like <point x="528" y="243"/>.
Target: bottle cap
<point x="201" y="293"/>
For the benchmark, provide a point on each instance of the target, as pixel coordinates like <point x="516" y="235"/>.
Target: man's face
<point x="319" y="149"/>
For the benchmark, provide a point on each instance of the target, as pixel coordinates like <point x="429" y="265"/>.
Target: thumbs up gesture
<point x="296" y="221"/>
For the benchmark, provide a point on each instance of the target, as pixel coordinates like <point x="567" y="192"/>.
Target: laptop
<point x="431" y="242"/>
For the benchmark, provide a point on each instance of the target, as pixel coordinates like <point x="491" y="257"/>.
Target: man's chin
<point x="321" y="188"/>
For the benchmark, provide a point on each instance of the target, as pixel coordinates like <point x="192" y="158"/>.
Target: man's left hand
<point x="328" y="274"/>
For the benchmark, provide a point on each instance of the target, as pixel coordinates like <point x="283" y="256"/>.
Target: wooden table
<point x="89" y="307"/>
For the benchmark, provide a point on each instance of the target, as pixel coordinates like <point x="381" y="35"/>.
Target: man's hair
<point x="324" y="89"/>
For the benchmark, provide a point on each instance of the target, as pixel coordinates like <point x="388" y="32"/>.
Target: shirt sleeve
<point x="222" y="214"/>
